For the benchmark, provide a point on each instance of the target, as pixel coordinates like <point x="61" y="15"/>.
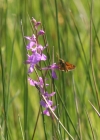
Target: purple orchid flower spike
<point x="34" y="56"/>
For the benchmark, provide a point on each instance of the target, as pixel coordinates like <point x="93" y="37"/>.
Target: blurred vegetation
<point x="72" y="30"/>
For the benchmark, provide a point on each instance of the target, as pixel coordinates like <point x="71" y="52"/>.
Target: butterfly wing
<point x="69" y="66"/>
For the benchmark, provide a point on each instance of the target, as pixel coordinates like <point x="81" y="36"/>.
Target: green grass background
<point x="72" y="31"/>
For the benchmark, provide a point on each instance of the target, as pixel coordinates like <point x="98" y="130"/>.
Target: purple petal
<point x="40" y="47"/>
<point x="32" y="82"/>
<point x="41" y="85"/>
<point x="41" y="32"/>
<point x="43" y="57"/>
<point x="54" y="74"/>
<point x="31" y="69"/>
<point x="29" y="59"/>
<point x="52" y="67"/>
<point x="44" y="104"/>
<point x="53" y="108"/>
<point x="46" y="112"/>
<point x="47" y="84"/>
<point x="37" y="23"/>
<point x="34" y="58"/>
<point x="42" y="91"/>
<point x="33" y="38"/>
<point x="49" y="95"/>
<point x="34" y="50"/>
<point x="28" y="37"/>
<point x="30" y="45"/>
<point x="41" y="81"/>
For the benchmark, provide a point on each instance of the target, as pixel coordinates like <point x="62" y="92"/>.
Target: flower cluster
<point x="33" y="58"/>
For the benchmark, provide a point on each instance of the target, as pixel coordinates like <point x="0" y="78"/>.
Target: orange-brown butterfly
<point x="65" y="66"/>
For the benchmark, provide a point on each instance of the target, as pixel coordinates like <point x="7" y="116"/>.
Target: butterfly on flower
<point x="65" y="66"/>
